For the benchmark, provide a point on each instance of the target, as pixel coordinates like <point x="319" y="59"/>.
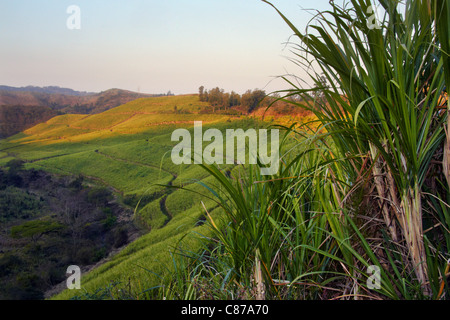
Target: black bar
<point x="134" y="310"/>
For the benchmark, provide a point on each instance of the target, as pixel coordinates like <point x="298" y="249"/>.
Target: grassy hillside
<point x="22" y="108"/>
<point x="68" y="101"/>
<point x="128" y="148"/>
<point x="14" y="119"/>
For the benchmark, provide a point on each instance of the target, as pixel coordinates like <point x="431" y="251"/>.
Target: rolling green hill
<point x="67" y="100"/>
<point x="22" y="108"/>
<point x="128" y="148"/>
<point x="14" y="119"/>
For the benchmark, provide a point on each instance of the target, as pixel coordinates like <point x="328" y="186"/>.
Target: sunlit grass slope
<point x="128" y="148"/>
<point x="181" y="103"/>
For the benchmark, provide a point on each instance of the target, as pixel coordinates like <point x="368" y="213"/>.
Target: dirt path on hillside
<point x="174" y="176"/>
<point x="165" y="210"/>
<point x="162" y="202"/>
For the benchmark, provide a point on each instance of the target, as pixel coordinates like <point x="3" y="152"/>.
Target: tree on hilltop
<point x="201" y="93"/>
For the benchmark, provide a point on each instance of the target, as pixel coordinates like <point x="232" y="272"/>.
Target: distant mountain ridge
<point x="69" y="102"/>
<point x="48" y="89"/>
<point x="24" y="107"/>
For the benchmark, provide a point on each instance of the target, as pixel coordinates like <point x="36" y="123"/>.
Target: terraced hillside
<point x="128" y="148"/>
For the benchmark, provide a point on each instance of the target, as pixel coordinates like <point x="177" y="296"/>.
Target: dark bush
<point x="9" y="263"/>
<point x="120" y="237"/>
<point x="30" y="285"/>
<point x="99" y="196"/>
<point x="85" y="255"/>
<point x="77" y="184"/>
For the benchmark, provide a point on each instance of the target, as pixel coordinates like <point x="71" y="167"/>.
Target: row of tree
<point x="220" y="99"/>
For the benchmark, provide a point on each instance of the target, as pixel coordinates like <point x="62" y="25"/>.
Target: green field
<point x="128" y="148"/>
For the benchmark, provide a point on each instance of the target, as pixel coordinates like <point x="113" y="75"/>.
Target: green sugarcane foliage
<point x="358" y="191"/>
<point x="383" y="100"/>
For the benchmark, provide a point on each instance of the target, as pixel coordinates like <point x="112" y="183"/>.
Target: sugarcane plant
<point x="365" y="186"/>
<point x="386" y="102"/>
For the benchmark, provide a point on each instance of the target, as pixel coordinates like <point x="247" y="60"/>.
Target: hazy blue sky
<point x="148" y="45"/>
